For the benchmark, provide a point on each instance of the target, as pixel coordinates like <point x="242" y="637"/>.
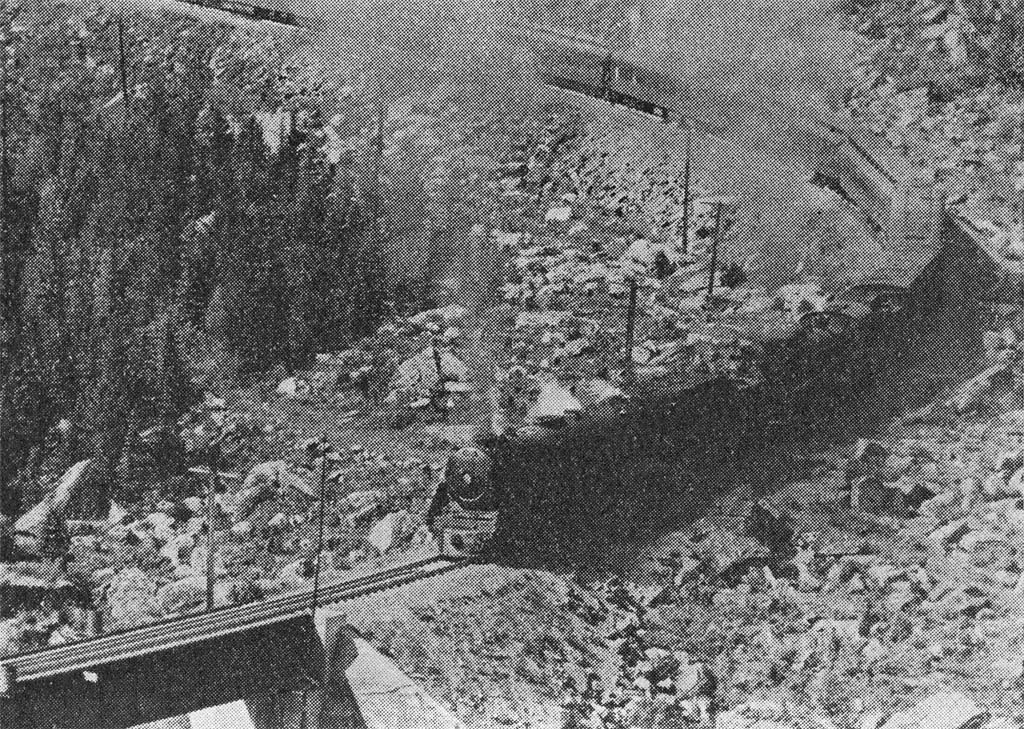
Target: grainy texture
<point x="696" y="325"/>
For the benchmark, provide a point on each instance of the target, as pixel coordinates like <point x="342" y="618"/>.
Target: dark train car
<point x="581" y="66"/>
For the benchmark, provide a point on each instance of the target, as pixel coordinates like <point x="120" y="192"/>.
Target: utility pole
<point x="216" y="424"/>
<point x="630" y="328"/>
<point x="322" y="449"/>
<point x="213" y="477"/>
<point x="121" y="60"/>
<point x="715" y="242"/>
<point x="5" y="181"/>
<point x="686" y="189"/>
<point x="211" y="543"/>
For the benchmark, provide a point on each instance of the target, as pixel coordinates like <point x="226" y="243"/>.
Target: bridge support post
<point x="331" y="705"/>
<point x="336" y="705"/>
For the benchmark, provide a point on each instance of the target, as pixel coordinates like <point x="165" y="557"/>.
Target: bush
<point x="733" y="275"/>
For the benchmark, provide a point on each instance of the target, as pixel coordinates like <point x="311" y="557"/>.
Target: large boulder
<point x="131" y="597"/>
<point x="940" y="711"/>
<point x="420" y="372"/>
<point x="756" y="715"/>
<point x="382" y="534"/>
<point x="264" y="482"/>
<point x="182" y="596"/>
<point x="983" y="391"/>
<point x="554" y="406"/>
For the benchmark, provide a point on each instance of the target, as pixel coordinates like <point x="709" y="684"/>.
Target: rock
<point x="944" y="508"/>
<point x="1015" y="486"/>
<point x="692" y="680"/>
<point x="183" y="595"/>
<point x="982" y="391"/>
<point x="941" y="711"/>
<point x="382" y="533"/>
<point x="117" y="514"/>
<point x="59" y="499"/>
<point x="359" y="501"/>
<point x="172" y="551"/>
<point x="987" y="549"/>
<point x="870" y="450"/>
<point x="1008" y="668"/>
<point x="554" y="405"/>
<point x="602" y="391"/>
<point x="756" y="715"/>
<point x="952" y="532"/>
<point x="131" y="597"/>
<point x="446" y="314"/>
<point x="292" y="387"/>
<point x="558" y="215"/>
<point x="258" y="486"/>
<point x="419" y="373"/>
<point x="161" y="525"/>
<point x="996" y="486"/>
<point x="869" y="494"/>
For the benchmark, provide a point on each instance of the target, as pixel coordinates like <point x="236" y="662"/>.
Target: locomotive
<point x="464" y="511"/>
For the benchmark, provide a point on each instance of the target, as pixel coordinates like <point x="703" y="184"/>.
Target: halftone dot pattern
<point x="636" y="391"/>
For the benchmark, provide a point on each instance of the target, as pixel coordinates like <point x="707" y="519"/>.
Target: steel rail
<point x="180" y="631"/>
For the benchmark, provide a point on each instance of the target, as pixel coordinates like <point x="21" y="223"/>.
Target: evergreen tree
<point x="54" y="538"/>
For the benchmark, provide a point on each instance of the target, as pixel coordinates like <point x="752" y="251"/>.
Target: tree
<point x="54" y="538"/>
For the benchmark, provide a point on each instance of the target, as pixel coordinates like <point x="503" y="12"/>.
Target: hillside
<point x="702" y="531"/>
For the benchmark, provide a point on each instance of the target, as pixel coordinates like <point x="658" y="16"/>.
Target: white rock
<point x="291" y="386"/>
<point x="558" y="215"/>
<point x="941" y="711"/>
<point x="382" y="533"/>
<point x="117" y="513"/>
<point x="756" y="715"/>
<point x="182" y="595"/>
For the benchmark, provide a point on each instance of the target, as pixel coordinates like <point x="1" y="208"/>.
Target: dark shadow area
<point x="593" y="493"/>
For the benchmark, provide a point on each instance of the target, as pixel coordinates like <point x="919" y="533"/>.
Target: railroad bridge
<point x="288" y="661"/>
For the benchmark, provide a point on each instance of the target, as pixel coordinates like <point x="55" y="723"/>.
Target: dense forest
<point x="187" y="206"/>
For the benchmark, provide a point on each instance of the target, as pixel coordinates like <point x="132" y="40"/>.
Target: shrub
<point x="733" y="275"/>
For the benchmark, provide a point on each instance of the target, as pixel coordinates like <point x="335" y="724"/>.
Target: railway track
<point x="177" y="632"/>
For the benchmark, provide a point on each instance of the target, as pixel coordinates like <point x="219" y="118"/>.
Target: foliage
<point x="733" y="275"/>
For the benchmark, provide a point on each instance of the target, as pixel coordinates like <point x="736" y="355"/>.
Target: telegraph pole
<point x="5" y="181"/>
<point x="630" y="327"/>
<point x="124" y="69"/>
<point x="213" y="477"/>
<point x="686" y="189"/>
<point x="211" y="543"/>
<point x="323" y="449"/>
<point x="715" y="242"/>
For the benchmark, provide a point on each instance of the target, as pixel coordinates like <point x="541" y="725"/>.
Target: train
<point x="463" y="514"/>
<point x="582" y="65"/>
